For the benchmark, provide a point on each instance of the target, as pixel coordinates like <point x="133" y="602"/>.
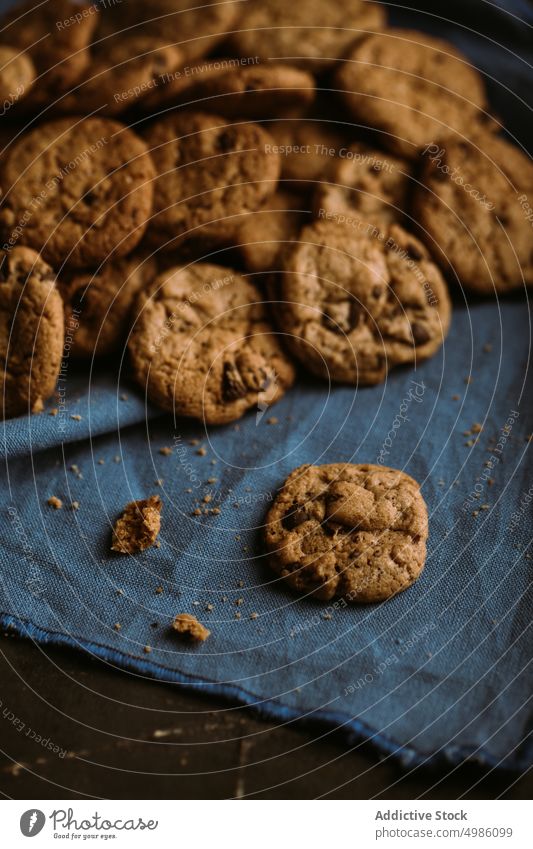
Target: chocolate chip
<point x="233" y="386"/>
<point x="342" y="318"/>
<point x="294" y="518"/>
<point x="225" y="141"/>
<point x="420" y="333"/>
<point x="413" y="252"/>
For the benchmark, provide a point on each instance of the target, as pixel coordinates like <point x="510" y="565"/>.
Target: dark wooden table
<point x="117" y="735"/>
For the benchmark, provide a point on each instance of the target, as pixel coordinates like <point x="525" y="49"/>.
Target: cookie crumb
<point x="101" y="461"/>
<point x="74" y="505"/>
<point x="55" y="502"/>
<point x="188" y="626"/>
<point x="207" y="498"/>
<point x="272" y="420"/>
<point x="487" y="348"/>
<point x="238" y="615"/>
<point x="116" y="459"/>
<point x="147" y="649"/>
<point x="159" y="590"/>
<point x="117" y="626"/>
<point x="201" y="451"/>
<point x="138" y="527"/>
<point x="53" y="412"/>
<point x="194" y="442"/>
<point x="159" y="482"/>
<point x="211" y="480"/>
<point x="254" y="615"/>
<point x="123" y="397"/>
<point x="455" y="397"/>
<point x="197" y="512"/>
<point x="165" y="451"/>
<point x="215" y="511"/>
<point x="476" y="427"/>
<point x="77" y="417"/>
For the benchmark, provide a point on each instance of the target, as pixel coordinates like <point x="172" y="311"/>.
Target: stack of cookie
<point x="231" y="188"/>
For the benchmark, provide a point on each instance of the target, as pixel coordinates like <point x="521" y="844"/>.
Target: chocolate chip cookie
<point x="357" y="301"/>
<point x="202" y="346"/>
<point x="98" y="304"/>
<point x="31" y="332"/>
<point x="121" y="74"/>
<point x="225" y="87"/>
<point x="356" y="532"/>
<point x="79" y="191"/>
<point x="475" y="212"/>
<point x="311" y="35"/>
<point x="366" y="185"/>
<point x="412" y="88"/>
<point x="210" y="174"/>
<point x="264" y="235"/>
<point x="17" y="75"/>
<point x="56" y="34"/>
<point x="196" y="28"/>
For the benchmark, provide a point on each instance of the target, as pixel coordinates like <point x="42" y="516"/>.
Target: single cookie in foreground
<point x="138" y="527"/>
<point x="356" y="302"/>
<point x="353" y="531"/>
<point x="202" y="346"/>
<point x="31" y="332"/>
<point x="187" y="626"/>
<point x="412" y="88"/>
<point x="474" y="207"/>
<point x="79" y="191"/>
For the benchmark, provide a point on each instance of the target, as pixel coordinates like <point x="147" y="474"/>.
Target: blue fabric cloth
<point x="440" y="671"/>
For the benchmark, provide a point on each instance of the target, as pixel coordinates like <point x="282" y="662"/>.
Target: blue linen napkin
<point x="439" y="672"/>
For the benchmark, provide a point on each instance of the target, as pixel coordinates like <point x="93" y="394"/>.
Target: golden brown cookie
<point x="229" y="88"/>
<point x="264" y="235"/>
<point x="121" y="73"/>
<point x="202" y="346"/>
<point x="56" y="34"/>
<point x="210" y="174"/>
<point x="78" y="190"/>
<point x="412" y="88"/>
<point x="475" y="212"/>
<point x="17" y="75"/>
<point x="311" y="35"/>
<point x="98" y="304"/>
<point x="355" y="301"/>
<point x="196" y="28"/>
<point x="31" y="331"/>
<point x="366" y="185"/>
<point x="356" y="532"/>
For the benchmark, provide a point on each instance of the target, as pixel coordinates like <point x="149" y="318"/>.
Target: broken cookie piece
<point x="138" y="527"/>
<point x="187" y="626"/>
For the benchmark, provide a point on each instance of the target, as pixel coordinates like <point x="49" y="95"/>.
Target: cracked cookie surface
<point x="355" y="305"/>
<point x="353" y="531"/>
<point x="77" y="190"/>
<point x="202" y="346"/>
<point x="411" y="87"/>
<point x="472" y="206"/>
<point x="31" y="332"/>
<point x="138" y="527"/>
<point x="210" y="174"/>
